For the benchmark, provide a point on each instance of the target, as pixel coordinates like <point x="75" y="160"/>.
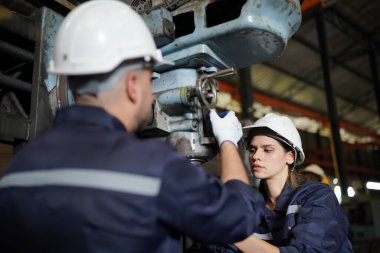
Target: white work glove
<point x="227" y="128"/>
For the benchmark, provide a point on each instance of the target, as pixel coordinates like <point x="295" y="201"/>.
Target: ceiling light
<point x="373" y="185"/>
<point x="350" y="192"/>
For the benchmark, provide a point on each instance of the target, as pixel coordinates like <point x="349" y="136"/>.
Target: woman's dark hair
<point x="295" y="179"/>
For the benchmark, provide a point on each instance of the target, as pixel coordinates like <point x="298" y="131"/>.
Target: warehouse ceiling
<point x="297" y="76"/>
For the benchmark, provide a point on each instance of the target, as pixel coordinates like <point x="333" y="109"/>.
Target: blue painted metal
<point x="175" y="79"/>
<point x="259" y="34"/>
<point x="50" y="25"/>
<point x="183" y="92"/>
<point x="200" y="55"/>
<point x="160" y="23"/>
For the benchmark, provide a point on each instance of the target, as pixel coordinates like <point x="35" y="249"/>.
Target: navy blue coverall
<point x="305" y="220"/>
<point x="87" y="185"/>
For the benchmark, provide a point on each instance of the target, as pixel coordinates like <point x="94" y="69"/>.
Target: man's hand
<point x="227" y="128"/>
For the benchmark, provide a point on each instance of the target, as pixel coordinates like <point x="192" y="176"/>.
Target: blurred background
<point x="326" y="80"/>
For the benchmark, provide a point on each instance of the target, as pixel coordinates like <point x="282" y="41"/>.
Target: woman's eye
<point x="268" y="150"/>
<point x="251" y="150"/>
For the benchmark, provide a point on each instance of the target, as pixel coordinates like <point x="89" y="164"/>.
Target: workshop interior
<point x="316" y="61"/>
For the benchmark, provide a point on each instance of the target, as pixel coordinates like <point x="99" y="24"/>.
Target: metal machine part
<point x="205" y="38"/>
<point x="146" y="6"/>
<point x="183" y="98"/>
<point x="211" y="39"/>
<point x="36" y="92"/>
<point x="238" y="33"/>
<point x="143" y="6"/>
<point x="160" y="23"/>
<point x="206" y="87"/>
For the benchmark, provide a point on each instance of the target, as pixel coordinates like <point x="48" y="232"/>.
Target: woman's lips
<point x="257" y="167"/>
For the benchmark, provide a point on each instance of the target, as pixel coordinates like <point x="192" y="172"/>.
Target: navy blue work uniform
<point x="307" y="219"/>
<point x="88" y="185"/>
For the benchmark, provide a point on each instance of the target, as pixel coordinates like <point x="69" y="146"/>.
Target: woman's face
<point x="268" y="159"/>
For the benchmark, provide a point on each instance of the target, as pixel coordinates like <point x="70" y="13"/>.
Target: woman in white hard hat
<point x="299" y="215"/>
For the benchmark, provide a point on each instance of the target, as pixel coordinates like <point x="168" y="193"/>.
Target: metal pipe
<point x="19" y="6"/>
<point x="333" y="116"/>
<point x="16" y="24"/>
<point x="12" y="83"/>
<point x="246" y="90"/>
<point x="17" y="52"/>
<point x="375" y="74"/>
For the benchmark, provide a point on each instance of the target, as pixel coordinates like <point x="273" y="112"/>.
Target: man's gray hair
<point x="92" y="84"/>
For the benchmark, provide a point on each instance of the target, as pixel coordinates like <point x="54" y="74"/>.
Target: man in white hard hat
<point x="89" y="184"/>
<point x="314" y="172"/>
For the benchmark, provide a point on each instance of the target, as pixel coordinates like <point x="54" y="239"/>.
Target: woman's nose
<point x="255" y="155"/>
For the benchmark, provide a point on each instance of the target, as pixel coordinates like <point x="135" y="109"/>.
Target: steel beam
<point x="44" y="86"/>
<point x="348" y="27"/>
<point x="276" y="102"/>
<point x="19" y="6"/>
<point x="333" y="116"/>
<point x="16" y="24"/>
<point x="332" y="58"/>
<point x="315" y="85"/>
<point x="245" y="87"/>
<point x="375" y="74"/>
<point x="55" y="6"/>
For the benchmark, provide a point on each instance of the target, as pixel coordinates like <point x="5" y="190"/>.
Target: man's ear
<point x="131" y="86"/>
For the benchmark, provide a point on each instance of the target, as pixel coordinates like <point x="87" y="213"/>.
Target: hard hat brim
<point x="159" y="59"/>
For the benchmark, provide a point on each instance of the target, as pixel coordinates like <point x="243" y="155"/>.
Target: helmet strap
<point x="295" y="160"/>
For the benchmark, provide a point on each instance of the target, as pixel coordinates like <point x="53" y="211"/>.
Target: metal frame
<point x="45" y="95"/>
<point x="44" y="87"/>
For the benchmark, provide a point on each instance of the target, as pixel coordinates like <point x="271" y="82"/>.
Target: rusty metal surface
<point x="44" y="87"/>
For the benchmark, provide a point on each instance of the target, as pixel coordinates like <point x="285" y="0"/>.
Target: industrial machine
<point x="207" y="39"/>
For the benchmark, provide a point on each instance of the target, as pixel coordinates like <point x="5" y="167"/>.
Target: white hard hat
<point x="284" y="130"/>
<point x="98" y="35"/>
<point x="315" y="169"/>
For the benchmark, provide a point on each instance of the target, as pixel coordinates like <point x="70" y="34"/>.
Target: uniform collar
<point x="285" y="197"/>
<point x="283" y="200"/>
<point x="87" y="115"/>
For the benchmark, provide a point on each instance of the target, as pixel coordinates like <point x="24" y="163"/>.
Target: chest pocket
<point x="282" y="224"/>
